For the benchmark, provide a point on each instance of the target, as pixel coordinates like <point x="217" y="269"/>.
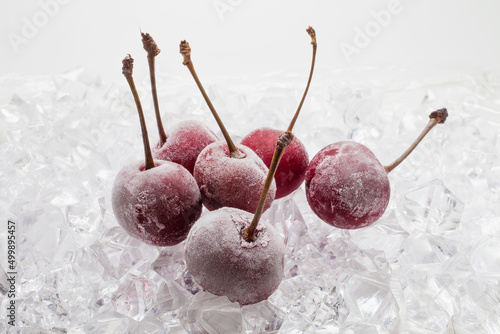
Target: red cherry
<point x="291" y="171"/>
<point x="225" y="264"/>
<point x="157" y="206"/>
<point x="347" y="187"/>
<point x="228" y="175"/>
<point x="293" y="165"/>
<point x="229" y="254"/>
<point x="156" y="202"/>
<point x="225" y="181"/>
<point x="184" y="142"/>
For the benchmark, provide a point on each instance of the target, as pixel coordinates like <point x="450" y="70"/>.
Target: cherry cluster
<point x="159" y="200"/>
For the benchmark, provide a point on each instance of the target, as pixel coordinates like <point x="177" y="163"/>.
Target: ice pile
<point x="430" y="265"/>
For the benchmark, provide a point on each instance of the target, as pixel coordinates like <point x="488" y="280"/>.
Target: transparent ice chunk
<point x="485" y="259"/>
<point x="109" y="323"/>
<point x="171" y="297"/>
<point x="372" y="300"/>
<point x="119" y="253"/>
<point x="135" y="297"/>
<point x="212" y="314"/>
<point x="171" y="264"/>
<point x="432" y="207"/>
<point x="263" y="317"/>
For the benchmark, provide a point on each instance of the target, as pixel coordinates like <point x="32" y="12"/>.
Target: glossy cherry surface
<point x="292" y="169"/>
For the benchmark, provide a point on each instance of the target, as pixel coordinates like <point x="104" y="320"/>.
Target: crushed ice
<point x="430" y="264"/>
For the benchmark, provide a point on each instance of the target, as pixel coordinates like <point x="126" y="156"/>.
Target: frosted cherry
<point x="154" y="201"/>
<point x="225" y="264"/>
<point x="228" y="176"/>
<point x="157" y="206"/>
<point x="184" y="142"/>
<point x="293" y="166"/>
<point x="229" y="254"/>
<point x="347" y="187"/>
<point x="226" y="181"/>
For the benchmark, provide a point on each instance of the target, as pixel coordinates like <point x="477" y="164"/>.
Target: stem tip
<point x="128" y="66"/>
<point x="439" y="115"/>
<point x="312" y="33"/>
<point x="185" y="51"/>
<point x="149" y="45"/>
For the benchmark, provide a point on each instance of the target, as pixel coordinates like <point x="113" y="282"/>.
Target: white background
<point x="244" y="38"/>
<point x="51" y="151"/>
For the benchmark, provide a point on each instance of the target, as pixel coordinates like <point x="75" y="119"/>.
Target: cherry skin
<point x="292" y="169"/>
<point x="225" y="264"/>
<point x="184" y="142"/>
<point x="158" y="205"/>
<point x="346" y="186"/>
<point x="226" y="181"/>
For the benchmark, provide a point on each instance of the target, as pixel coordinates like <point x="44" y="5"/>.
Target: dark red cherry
<point x="291" y="171"/>
<point x="293" y="165"/>
<point x="154" y="201"/>
<point x="184" y="142"/>
<point x="347" y="187"/>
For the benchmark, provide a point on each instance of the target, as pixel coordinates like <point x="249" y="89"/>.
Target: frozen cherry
<point x="226" y="181"/>
<point x="229" y="254"/>
<point x="292" y="169"/>
<point x="154" y="201"/>
<point x="158" y="205"/>
<point x="225" y="264"/>
<point x="228" y="175"/>
<point x="184" y="141"/>
<point x="347" y="187"/>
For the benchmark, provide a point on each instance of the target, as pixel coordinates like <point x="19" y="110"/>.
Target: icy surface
<point x="430" y="265"/>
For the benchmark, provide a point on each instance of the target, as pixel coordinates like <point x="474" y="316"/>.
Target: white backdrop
<point x="242" y="38"/>
<point x="431" y="264"/>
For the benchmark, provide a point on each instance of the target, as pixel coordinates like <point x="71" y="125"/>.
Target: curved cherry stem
<point x="185" y="50"/>
<point x="436" y="117"/>
<point x="283" y="142"/>
<point x="127" y="69"/>
<point x="311" y="33"/>
<point x="152" y="49"/>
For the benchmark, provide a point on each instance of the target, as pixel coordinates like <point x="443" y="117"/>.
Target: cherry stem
<point x="284" y="140"/>
<point x="153" y="50"/>
<point x="185" y="50"/>
<point x="127" y="69"/>
<point x="311" y="33"/>
<point x="436" y="117"/>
